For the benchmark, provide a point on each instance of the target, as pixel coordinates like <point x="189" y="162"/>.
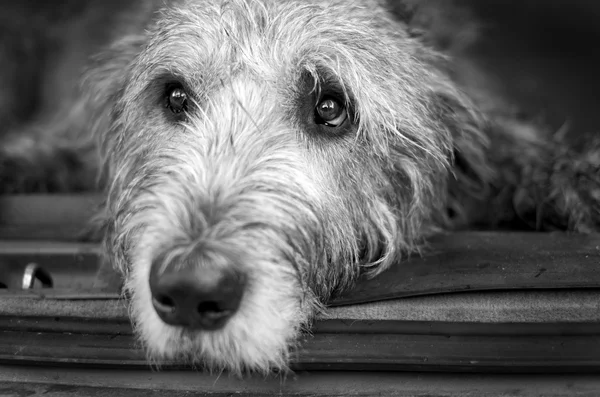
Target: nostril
<point x="209" y="306"/>
<point x="213" y="313"/>
<point x="164" y="303"/>
<point x="213" y="309"/>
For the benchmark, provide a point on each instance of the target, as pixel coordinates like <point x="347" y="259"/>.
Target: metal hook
<point x="32" y="272"/>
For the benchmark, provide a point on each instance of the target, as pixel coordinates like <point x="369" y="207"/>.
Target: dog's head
<point x="258" y="155"/>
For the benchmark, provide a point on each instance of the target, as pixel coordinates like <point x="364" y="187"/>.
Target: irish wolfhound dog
<point x="260" y="154"/>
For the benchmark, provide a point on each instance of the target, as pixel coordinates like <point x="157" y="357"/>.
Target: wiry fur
<point x="252" y="182"/>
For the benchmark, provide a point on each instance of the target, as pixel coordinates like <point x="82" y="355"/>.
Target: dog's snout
<point x="195" y="294"/>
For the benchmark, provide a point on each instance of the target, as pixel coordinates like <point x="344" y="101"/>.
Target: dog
<point x="259" y="155"/>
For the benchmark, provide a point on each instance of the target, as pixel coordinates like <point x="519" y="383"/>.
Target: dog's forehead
<point x="265" y="36"/>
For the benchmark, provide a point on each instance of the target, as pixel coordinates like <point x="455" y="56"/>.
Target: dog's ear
<point x="471" y="174"/>
<point x="107" y="70"/>
<point x="103" y="83"/>
<point x="106" y="76"/>
<point x="461" y="99"/>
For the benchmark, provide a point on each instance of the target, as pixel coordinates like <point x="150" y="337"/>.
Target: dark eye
<point x="330" y="112"/>
<point x="177" y="99"/>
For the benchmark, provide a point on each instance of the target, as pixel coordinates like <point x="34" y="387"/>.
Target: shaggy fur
<point x="247" y="177"/>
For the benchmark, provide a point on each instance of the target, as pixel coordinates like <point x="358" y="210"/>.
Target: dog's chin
<point x="259" y="338"/>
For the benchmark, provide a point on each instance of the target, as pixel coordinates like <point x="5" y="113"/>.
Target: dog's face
<point x="259" y="154"/>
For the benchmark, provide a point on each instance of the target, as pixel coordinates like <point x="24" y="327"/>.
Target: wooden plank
<point x="531" y="307"/>
<point x="479" y="261"/>
<point x="43" y="209"/>
<point x="40" y="381"/>
<point x="65" y="271"/>
<point x="46" y="217"/>
<point x="121" y="326"/>
<point x="379" y="352"/>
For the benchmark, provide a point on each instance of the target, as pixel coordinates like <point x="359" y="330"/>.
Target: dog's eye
<point x="330" y="112"/>
<point x="177" y="99"/>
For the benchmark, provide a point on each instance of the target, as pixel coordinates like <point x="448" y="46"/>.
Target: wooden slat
<point x="532" y="307"/>
<point x="39" y="381"/>
<point x="121" y="326"/>
<point x="46" y="217"/>
<point x="478" y="261"/>
<point x="380" y="352"/>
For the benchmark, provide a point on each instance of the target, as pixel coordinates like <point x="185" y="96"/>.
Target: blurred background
<point x="544" y="55"/>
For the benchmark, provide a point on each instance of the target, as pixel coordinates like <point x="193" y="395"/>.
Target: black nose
<point x="194" y="292"/>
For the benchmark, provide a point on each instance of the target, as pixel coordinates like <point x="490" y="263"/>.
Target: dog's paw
<point x="575" y="187"/>
<point x="563" y="191"/>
